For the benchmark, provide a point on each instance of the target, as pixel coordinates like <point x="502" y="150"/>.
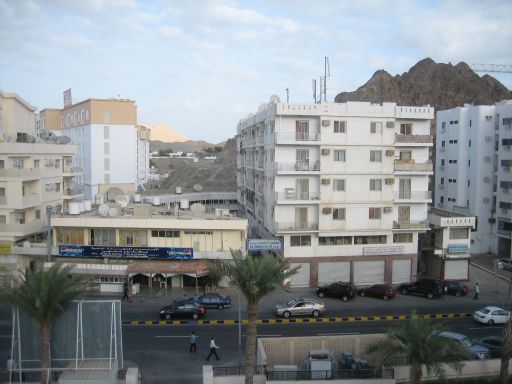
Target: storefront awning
<point x="175" y="267"/>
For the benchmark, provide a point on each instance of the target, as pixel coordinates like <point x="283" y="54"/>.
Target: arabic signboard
<point x="458" y="248"/>
<point x="264" y="245"/>
<point x="125" y="252"/>
<point x="379" y="251"/>
<point x="5" y="248"/>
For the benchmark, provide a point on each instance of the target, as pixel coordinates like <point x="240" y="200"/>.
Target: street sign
<point x="126" y="252"/>
<point x="264" y="245"/>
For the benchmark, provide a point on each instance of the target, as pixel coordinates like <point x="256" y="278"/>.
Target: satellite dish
<point x="27" y="244"/>
<point x="122" y="200"/>
<point x="103" y="210"/>
<point x="197" y="208"/>
<point x="112" y="212"/>
<point x="198" y="187"/>
<point x="63" y="140"/>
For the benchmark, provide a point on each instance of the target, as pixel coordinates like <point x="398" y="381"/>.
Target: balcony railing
<point x="298" y="166"/>
<point x="22" y="229"/>
<point x="413" y="195"/>
<point x="505" y="232"/>
<point x="292" y="137"/>
<point x="73" y="191"/>
<point x="31" y="199"/>
<point x="20" y="172"/>
<point x="287" y="226"/>
<point x="411" y="224"/>
<point x="297" y="195"/>
<point x="416" y="139"/>
<point x="409" y="166"/>
<point x="70" y="169"/>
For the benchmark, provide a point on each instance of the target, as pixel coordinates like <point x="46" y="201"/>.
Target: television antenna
<point x="322" y="83"/>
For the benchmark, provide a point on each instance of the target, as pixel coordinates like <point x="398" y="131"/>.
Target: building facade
<point x="473" y="161"/>
<point x="344" y="186"/>
<point x="111" y="147"/>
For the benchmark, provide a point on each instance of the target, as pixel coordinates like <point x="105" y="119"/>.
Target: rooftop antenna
<point x="314" y="91"/>
<point x="287" y="96"/>
<point x="322" y="83"/>
<point x="327" y="75"/>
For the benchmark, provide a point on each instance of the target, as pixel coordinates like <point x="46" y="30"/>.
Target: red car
<point x="381" y="291"/>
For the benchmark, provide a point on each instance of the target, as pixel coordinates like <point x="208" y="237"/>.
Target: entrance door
<point x="301" y="218"/>
<point x="404" y="215"/>
<point x="302" y="159"/>
<point x="405" y="189"/>
<point x="302" y="188"/>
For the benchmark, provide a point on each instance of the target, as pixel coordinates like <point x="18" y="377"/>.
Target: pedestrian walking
<point x="213" y="349"/>
<point x="193" y="342"/>
<point x="477" y="291"/>
<point x="126" y="292"/>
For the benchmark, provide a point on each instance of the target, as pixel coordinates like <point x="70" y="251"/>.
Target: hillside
<point x="164" y="133"/>
<point x="443" y="86"/>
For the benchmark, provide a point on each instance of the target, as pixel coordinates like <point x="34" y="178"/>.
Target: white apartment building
<point x="473" y="176"/>
<point x="344" y="186"/>
<point x="111" y="148"/>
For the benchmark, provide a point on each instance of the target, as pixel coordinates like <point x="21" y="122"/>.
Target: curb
<point x="490" y="271"/>
<point x="301" y="320"/>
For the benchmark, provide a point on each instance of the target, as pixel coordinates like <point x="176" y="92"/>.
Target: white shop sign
<point x="379" y="251"/>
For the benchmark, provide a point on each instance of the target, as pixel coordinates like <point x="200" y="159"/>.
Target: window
<point x="52" y="187"/>
<point x="441" y="199"/>
<point x="380" y="239"/>
<point x="376" y="156"/>
<point x="452" y="161"/>
<point x="57" y="163"/>
<point x="338" y="184"/>
<point x="300" y="241"/>
<point x="106" y="117"/>
<point x="443" y="143"/>
<point x="335" y="240"/>
<point x="338" y="214"/>
<point x="106" y="164"/>
<point x="38" y="214"/>
<point x="459" y="233"/>
<point x="469" y="143"/>
<point x="442" y="162"/>
<point x="106" y="148"/>
<point x="103" y="236"/>
<point x="375" y="185"/>
<point x="375" y="127"/>
<point x="106" y="177"/>
<point x="2" y="164"/>
<point x="18" y="163"/>
<point x="70" y="236"/>
<point x="106" y="132"/>
<point x="405" y="155"/>
<point x="339" y="155"/>
<point x="163" y="233"/>
<point x="442" y="180"/>
<point x="133" y="237"/>
<point x="3" y="219"/>
<point x="36" y="163"/>
<point x="402" y="238"/>
<point x="374" y="213"/>
<point x="406" y="128"/>
<point x="340" y="126"/>
<point x="443" y="124"/>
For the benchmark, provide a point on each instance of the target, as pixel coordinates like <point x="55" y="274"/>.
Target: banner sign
<point x="125" y="252"/>
<point x="379" y="251"/>
<point x="5" y="248"/>
<point x="459" y="248"/>
<point x="264" y="245"/>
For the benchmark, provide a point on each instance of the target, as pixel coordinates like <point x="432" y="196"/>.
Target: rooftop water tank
<point x="74" y="208"/>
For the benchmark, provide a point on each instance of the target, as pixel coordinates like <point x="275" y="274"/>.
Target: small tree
<point x="256" y="277"/>
<point x="44" y="296"/>
<point x="418" y="343"/>
<point x="215" y="273"/>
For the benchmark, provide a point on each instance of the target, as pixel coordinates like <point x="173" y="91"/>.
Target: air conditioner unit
<point x="326" y="181"/>
<point x="388" y="209"/>
<point x="326" y="210"/>
<point x="390" y="181"/>
<point x="390" y="152"/>
<point x="326" y="123"/>
<point x="326" y="151"/>
<point x="390" y="124"/>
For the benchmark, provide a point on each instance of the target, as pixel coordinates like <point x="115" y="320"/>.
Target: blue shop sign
<point x="125" y="252"/>
<point x="460" y="248"/>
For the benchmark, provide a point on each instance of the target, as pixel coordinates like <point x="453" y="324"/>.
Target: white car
<point x="491" y="315"/>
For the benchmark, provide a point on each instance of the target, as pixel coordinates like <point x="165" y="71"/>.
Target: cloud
<point x="230" y="14"/>
<point x="168" y="31"/>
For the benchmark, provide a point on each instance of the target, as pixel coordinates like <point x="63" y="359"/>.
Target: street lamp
<point x="49" y="210"/>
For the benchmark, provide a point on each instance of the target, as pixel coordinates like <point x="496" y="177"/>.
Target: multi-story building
<point x="344" y="186"/>
<point x="473" y="161"/>
<point x="111" y="147"/>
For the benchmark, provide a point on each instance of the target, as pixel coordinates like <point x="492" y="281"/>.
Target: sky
<point x="201" y="66"/>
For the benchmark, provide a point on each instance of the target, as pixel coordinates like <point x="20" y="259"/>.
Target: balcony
<point x="3" y="200"/>
<point x="415" y="140"/>
<point x="20" y="230"/>
<point x="298" y="166"/>
<point x="287" y="226"/>
<point x="296" y="137"/>
<point x="294" y="196"/>
<point x="411" y="224"/>
<point x="413" y="195"/>
<point x="21" y="173"/>
<point x="505" y="233"/>
<point x="409" y="166"/>
<point x="72" y="193"/>
<point x="30" y="200"/>
<point x="68" y="170"/>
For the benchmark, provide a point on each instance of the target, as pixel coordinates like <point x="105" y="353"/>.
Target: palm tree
<point x="419" y="343"/>
<point x="44" y="296"/>
<point x="255" y="277"/>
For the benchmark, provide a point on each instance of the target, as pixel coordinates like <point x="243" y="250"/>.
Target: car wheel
<point x="286" y="314"/>
<point x="167" y="316"/>
<point x="490" y="322"/>
<point x="321" y="294"/>
<point x="385" y="297"/>
<point x="457" y="294"/>
<point x="316" y="313"/>
<point x="430" y="296"/>
<point x="344" y="298"/>
<point x="404" y="291"/>
<point x="362" y="294"/>
<point x="195" y="316"/>
<point x="220" y="306"/>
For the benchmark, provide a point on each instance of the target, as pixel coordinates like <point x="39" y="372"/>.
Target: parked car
<point x="300" y="307"/>
<point x="474" y="350"/>
<point x="452" y="287"/>
<point x="493" y="343"/>
<point x="430" y="288"/>
<point x="382" y="291"/>
<point x="505" y="264"/>
<point x="339" y="289"/>
<point x="491" y="315"/>
<point x="214" y="300"/>
<point x="183" y="309"/>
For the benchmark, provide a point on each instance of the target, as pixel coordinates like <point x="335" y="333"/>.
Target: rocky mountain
<point x="164" y="133"/>
<point x="443" y="86"/>
<point x="185" y="146"/>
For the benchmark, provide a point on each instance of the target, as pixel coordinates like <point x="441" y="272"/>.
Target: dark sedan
<point x="494" y="343"/>
<point x="452" y="287"/>
<point x="340" y="290"/>
<point x="381" y="291"/>
<point x="183" y="309"/>
<point x="214" y="300"/>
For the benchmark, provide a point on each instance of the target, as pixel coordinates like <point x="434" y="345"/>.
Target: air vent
<point x="390" y="181"/>
<point x="326" y="151"/>
<point x="326" y="181"/>
<point x="390" y="152"/>
<point x="326" y="210"/>
<point x="388" y="209"/>
<point x="390" y="124"/>
<point x="326" y="123"/>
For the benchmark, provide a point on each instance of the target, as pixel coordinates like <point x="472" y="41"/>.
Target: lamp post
<point x="239" y="331"/>
<point x="49" y="210"/>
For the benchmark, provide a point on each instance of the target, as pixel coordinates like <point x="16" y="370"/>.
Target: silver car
<point x="300" y="307"/>
<point x="505" y="264"/>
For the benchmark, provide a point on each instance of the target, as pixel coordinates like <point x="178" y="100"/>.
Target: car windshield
<point x="291" y="303"/>
<point x="466" y="343"/>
